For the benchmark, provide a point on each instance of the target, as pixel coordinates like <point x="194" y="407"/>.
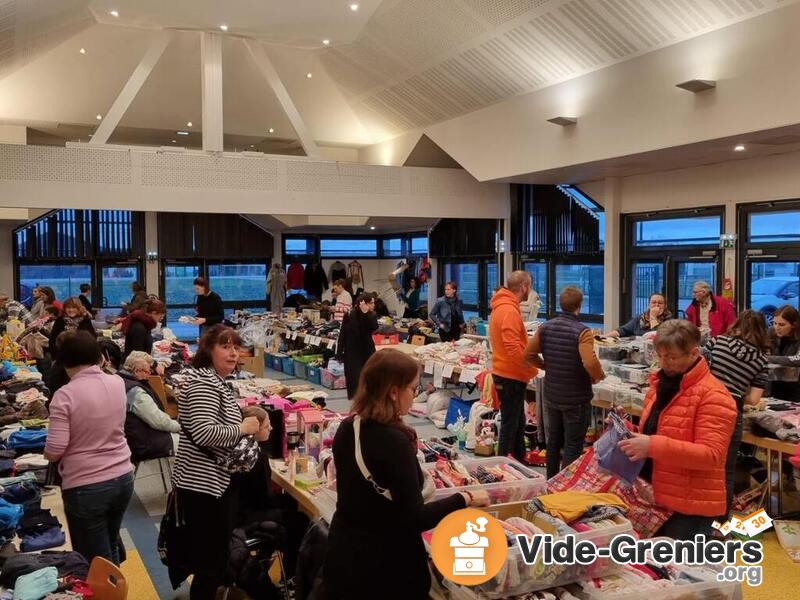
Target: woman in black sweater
<point x="73" y="318"/>
<point x="208" y="305"/>
<point x="138" y="326"/>
<point x="786" y="350"/>
<point x="374" y="547"/>
<point x="355" y="343"/>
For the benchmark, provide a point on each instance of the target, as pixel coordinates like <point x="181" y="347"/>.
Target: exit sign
<point x="727" y="241"/>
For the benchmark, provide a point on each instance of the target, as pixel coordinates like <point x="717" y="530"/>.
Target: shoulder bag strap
<point x="362" y="466"/>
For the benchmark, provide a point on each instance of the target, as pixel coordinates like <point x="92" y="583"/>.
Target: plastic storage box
<point x="314" y="374"/>
<point x="382" y="339"/>
<point x="287" y="365"/>
<point x="783" y="373"/>
<point x="612" y="353"/>
<point x="300" y="369"/>
<point x="533" y="485"/>
<point x="517" y="578"/>
<point x="632" y="373"/>
<point x="276" y="362"/>
<point x="331" y="381"/>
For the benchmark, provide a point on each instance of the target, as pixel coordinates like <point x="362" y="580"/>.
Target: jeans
<point x="209" y="525"/>
<point x="685" y="527"/>
<point x="565" y="429"/>
<point x="94" y="516"/>
<point x="730" y="467"/>
<point x="512" y="416"/>
<point x="450" y="336"/>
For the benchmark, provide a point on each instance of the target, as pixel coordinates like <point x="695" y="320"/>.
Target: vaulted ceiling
<point x="388" y="68"/>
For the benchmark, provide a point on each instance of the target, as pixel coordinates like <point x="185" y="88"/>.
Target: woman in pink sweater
<point x="87" y="436"/>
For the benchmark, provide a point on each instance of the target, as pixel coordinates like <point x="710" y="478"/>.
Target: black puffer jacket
<point x="251" y="572"/>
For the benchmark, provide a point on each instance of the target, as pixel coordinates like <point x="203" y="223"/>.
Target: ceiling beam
<point x="131" y="88"/>
<point x="211" y="69"/>
<point x="269" y="72"/>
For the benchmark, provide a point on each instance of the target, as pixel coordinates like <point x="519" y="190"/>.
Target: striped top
<point x="736" y="364"/>
<point x="208" y="410"/>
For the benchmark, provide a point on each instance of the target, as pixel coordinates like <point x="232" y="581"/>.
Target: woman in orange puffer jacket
<point x="684" y="433"/>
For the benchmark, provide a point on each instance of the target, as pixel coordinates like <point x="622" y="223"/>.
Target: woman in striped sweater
<point x="738" y="360"/>
<point x="211" y="425"/>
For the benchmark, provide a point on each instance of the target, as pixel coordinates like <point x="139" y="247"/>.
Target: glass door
<point x="647" y="278"/>
<point x="687" y="272"/>
<point x="115" y="284"/>
<point x="771" y="284"/>
<point x="178" y="293"/>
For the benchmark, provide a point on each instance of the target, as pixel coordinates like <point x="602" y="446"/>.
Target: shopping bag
<point x="610" y="457"/>
<point x="585" y="474"/>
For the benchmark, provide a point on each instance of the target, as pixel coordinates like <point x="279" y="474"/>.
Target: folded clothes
<point x="27" y="462"/>
<point x="66" y="562"/>
<point x="7" y="467"/>
<point x="6" y="481"/>
<point x="10" y="515"/>
<point x="37" y="520"/>
<point x="25" y="493"/>
<point x="28" y="439"/>
<point x="48" y="538"/>
<point x="36" y="585"/>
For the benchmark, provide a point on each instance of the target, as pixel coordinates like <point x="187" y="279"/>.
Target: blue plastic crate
<point x="287" y="364"/>
<point x="314" y="375"/>
<point x="300" y="369"/>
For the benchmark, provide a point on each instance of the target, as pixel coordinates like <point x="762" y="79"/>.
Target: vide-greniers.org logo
<point x="469" y="547"/>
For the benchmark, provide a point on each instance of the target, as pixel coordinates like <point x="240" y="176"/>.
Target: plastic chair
<point x="106" y="580"/>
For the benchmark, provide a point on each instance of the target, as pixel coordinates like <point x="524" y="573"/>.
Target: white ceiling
<point x="392" y="66"/>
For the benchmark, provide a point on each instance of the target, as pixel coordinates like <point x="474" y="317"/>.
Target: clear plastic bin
<point x="612" y="353"/>
<point x="533" y="485"/>
<point x="637" y="374"/>
<point x="518" y="578"/>
<point x="637" y="399"/>
<point x="783" y="373"/>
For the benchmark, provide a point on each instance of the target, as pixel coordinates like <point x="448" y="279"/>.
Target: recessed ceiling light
<point x="271" y="130"/>
<point x="223" y="27"/>
<point x="563" y="121"/>
<point x="354" y="7"/>
<point x="99" y="117"/>
<point x="252" y="145"/>
<point x="739" y="148"/>
<point x="189" y="124"/>
<point x="114" y="13"/>
<point x="372" y="227"/>
<point x="174" y="141"/>
<point x="309" y="75"/>
<point x="697" y="85"/>
<point x="82" y="50"/>
<point x="182" y="132"/>
<point x="91" y="134"/>
<point x="326" y="42"/>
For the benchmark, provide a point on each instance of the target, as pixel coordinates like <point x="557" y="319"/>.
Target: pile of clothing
<point x="517" y="483"/>
<point x="640" y="580"/>
<point x="50" y="575"/>
<point x="265" y="387"/>
<point x="462" y="353"/>
<point x="777" y="424"/>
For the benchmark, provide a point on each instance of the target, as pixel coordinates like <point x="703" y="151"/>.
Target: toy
<point x="459" y="428"/>
<point x="485" y="443"/>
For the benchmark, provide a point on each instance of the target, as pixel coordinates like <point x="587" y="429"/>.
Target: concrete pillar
<point x="612" y="200"/>
<point x="151" y="274"/>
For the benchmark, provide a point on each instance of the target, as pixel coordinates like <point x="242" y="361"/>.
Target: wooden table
<point x="314" y="505"/>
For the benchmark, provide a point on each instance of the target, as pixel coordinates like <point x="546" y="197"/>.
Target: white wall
<point x="6" y="257"/>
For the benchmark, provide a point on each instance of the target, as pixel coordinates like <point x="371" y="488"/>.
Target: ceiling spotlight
<point x="174" y="141"/>
<point x="697" y="85"/>
<point x="739" y="148"/>
<point x="82" y="50"/>
<point x="182" y="133"/>
<point x="326" y="42"/>
<point x="189" y="124"/>
<point x="252" y="145"/>
<point x="114" y="13"/>
<point x="271" y="130"/>
<point x="223" y="27"/>
<point x="563" y="121"/>
<point x="309" y="75"/>
<point x="99" y="117"/>
<point x="354" y="7"/>
<point x="372" y="227"/>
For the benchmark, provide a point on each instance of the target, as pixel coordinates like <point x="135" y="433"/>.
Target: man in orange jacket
<point x="510" y="374"/>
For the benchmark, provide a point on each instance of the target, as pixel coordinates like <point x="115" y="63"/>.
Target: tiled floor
<point x="149" y="502"/>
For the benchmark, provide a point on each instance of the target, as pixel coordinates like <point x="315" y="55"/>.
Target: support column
<point x="729" y="255"/>
<point x="211" y="70"/>
<point x="508" y="258"/>
<point x="277" y="248"/>
<point x="151" y="273"/>
<point x="612" y="256"/>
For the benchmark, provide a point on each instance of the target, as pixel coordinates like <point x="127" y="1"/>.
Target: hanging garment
<point x="424" y="270"/>
<point x="276" y="288"/>
<point x="338" y="270"/>
<point x="356" y="273"/>
<point x="315" y="281"/>
<point x="295" y="276"/>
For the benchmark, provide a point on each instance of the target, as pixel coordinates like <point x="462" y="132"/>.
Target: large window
<point x="419" y="245"/>
<point x="347" y="247"/>
<point x="239" y="282"/>
<point x="647" y="279"/>
<point x="299" y="246"/>
<point x="538" y="271"/>
<point x="771" y="227"/>
<point x="392" y="247"/>
<point x="679" y="231"/>
<point x="774" y="284"/>
<point x="65" y="279"/>
<point x="588" y="279"/>
<point x="465" y="275"/>
<point x="116" y="283"/>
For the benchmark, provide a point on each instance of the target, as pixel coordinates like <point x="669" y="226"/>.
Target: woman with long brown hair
<point x="785" y="344"/>
<point x="73" y="318"/>
<point x="738" y="359"/>
<point x="374" y="547"/>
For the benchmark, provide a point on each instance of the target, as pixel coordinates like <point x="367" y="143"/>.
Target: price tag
<point x="294" y="335"/>
<point x="429" y="367"/>
<point x="447" y="372"/>
<point x="330" y="343"/>
<point x="757" y="522"/>
<point x="468" y="376"/>
<point x="314" y="340"/>
<point x="737" y="526"/>
<point x="724" y="528"/>
<point x="438" y="372"/>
